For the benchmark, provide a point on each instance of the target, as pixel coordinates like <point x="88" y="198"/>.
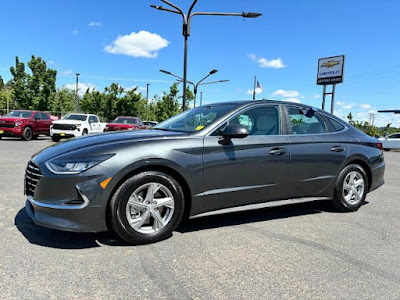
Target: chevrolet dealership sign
<point x="330" y="70"/>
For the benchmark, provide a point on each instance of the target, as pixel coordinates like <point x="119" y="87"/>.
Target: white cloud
<point x="95" y="24"/>
<point x="348" y="106"/>
<point x="295" y="100"/>
<point x="340" y="103"/>
<point x="51" y="62"/>
<point x="365" y="106"/>
<point x="75" y="32"/>
<point x="142" y="44"/>
<point x="66" y="72"/>
<point x="283" y="93"/>
<point x="265" y="63"/>
<point x="258" y="91"/>
<point x="316" y="96"/>
<point x="82" y="87"/>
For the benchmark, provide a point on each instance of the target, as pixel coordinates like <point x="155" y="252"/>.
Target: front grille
<point x="32" y="177"/>
<point x="7" y="125"/>
<point x="64" y="126"/>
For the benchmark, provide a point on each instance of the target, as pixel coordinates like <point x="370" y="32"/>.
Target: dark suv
<point x="25" y="124"/>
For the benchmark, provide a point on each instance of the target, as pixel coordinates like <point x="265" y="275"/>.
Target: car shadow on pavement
<point x="255" y="215"/>
<point x="71" y="240"/>
<point x="62" y="239"/>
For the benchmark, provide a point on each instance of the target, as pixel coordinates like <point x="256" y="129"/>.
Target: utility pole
<point x="254" y="90"/>
<point x="147" y="100"/>
<point x="371" y="119"/>
<point x="76" y="92"/>
<point x="201" y="98"/>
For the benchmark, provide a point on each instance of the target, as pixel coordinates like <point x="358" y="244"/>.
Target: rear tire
<point x="27" y="135"/>
<point x="84" y="132"/>
<point x="140" y="216"/>
<point x="351" y="189"/>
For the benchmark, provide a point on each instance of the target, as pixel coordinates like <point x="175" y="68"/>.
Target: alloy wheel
<point x="353" y="188"/>
<point x="150" y="208"/>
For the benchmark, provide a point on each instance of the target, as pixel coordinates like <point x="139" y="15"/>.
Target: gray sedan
<point x="142" y="184"/>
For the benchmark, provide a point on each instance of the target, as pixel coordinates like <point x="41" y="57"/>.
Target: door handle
<point x="337" y="149"/>
<point x="278" y="151"/>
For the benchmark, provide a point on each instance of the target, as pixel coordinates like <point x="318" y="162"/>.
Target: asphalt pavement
<point x="296" y="251"/>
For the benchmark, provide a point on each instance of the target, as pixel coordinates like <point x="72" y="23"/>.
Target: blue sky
<point x="128" y="42"/>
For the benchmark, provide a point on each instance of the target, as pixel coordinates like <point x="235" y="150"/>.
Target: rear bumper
<point x="377" y="176"/>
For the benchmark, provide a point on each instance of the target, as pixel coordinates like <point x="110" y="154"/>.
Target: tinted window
<point x="20" y="114"/>
<point x="124" y="121"/>
<point x="93" y="119"/>
<point x="301" y="124"/>
<point x="394" y="136"/>
<point x="336" y="125"/>
<point x="259" y="120"/>
<point x="75" y="117"/>
<point x="38" y="116"/>
<point x="44" y="116"/>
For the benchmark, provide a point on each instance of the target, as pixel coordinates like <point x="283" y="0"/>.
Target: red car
<point x="25" y="124"/>
<point x="125" y="123"/>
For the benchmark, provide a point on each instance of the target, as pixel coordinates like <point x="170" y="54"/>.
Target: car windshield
<point x="195" y="119"/>
<point x="20" y="114"/>
<point x="124" y="121"/>
<point x="75" y="117"/>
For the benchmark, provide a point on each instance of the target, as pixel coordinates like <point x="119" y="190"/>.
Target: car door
<point x="38" y="123"/>
<point x="249" y="170"/>
<point x="317" y="155"/>
<point x="46" y="121"/>
<point x="94" y="124"/>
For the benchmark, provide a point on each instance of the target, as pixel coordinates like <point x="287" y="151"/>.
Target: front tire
<point x="147" y="207"/>
<point x="27" y="135"/>
<point x="55" y="139"/>
<point x="351" y="188"/>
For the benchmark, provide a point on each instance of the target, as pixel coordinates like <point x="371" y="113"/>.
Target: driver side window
<point x="262" y="120"/>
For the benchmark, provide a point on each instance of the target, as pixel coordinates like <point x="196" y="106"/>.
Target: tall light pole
<point x="186" y="29"/>
<point x="195" y="86"/>
<point x="76" y="93"/>
<point x="147" y="100"/>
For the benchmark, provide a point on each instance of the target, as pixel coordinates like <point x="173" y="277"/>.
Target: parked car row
<point x="29" y="125"/>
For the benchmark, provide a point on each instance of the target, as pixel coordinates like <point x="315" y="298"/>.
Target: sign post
<point x="330" y="72"/>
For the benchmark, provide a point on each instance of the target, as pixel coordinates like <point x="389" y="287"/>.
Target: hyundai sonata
<point x="141" y="184"/>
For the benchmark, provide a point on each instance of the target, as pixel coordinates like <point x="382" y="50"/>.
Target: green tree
<point x="64" y="101"/>
<point x="19" y="85"/>
<point x="2" y="85"/>
<point x="168" y="106"/>
<point x="112" y="93"/>
<point x="41" y="84"/>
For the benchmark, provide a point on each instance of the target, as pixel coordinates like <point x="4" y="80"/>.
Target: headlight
<point x="78" y="125"/>
<point x="18" y="124"/>
<point x="75" y="166"/>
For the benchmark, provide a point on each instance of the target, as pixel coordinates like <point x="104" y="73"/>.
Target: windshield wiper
<point x="163" y="129"/>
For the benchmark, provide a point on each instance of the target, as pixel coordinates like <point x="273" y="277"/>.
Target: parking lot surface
<point x="296" y="251"/>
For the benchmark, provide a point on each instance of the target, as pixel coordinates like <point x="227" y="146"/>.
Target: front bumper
<point x="65" y="133"/>
<point x="12" y="132"/>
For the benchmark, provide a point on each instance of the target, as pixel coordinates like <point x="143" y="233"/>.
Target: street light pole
<point x="76" y="93"/>
<point x="186" y="30"/>
<point x="147" y="100"/>
<point x="195" y="86"/>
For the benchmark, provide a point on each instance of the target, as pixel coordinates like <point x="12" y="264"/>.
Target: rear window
<point x="336" y="125"/>
<point x="301" y="124"/>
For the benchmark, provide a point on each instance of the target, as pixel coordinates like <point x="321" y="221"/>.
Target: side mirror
<point x="233" y="131"/>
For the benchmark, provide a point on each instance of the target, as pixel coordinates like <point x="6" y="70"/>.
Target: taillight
<point x="380" y="146"/>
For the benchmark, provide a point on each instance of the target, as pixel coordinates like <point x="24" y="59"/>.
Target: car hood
<point x="68" y="122"/>
<point x="120" y="125"/>
<point x="102" y="139"/>
<point x="12" y="119"/>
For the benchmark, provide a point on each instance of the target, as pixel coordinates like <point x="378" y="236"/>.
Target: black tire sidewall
<point x="339" y="201"/>
<point x="119" y="201"/>
<point x="24" y="135"/>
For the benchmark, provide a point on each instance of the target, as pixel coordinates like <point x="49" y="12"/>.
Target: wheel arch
<point x="365" y="166"/>
<point x="160" y="167"/>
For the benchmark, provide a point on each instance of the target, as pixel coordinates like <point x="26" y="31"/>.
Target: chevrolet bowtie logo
<point x="330" y="63"/>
